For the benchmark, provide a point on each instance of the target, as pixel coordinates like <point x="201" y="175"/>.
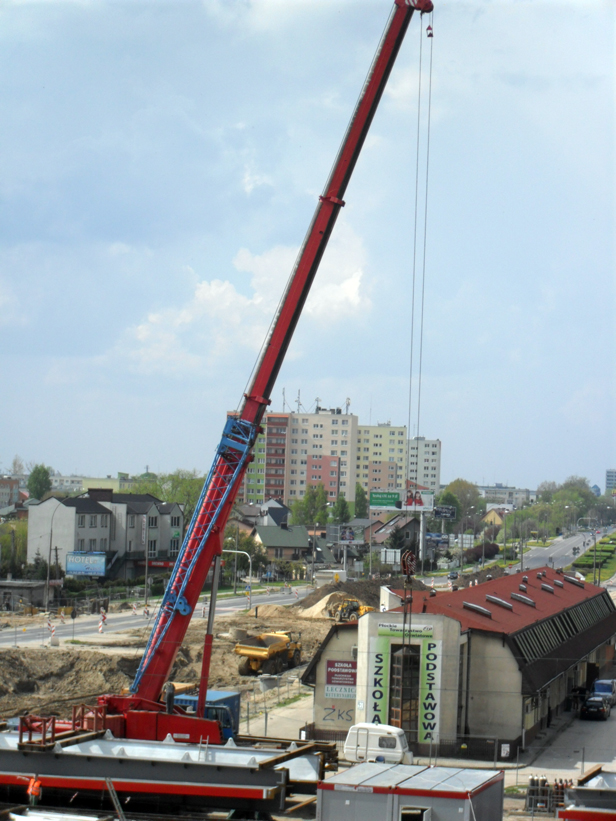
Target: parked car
<point x="453" y="575"/>
<point x="605" y="687"/>
<point x="595" y="707"/>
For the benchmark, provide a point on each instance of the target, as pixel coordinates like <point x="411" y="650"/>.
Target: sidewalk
<point x="282" y="722"/>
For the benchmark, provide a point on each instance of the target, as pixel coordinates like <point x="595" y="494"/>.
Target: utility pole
<point x="57" y="563"/>
<point x="237" y="546"/>
<point x="12" y="550"/>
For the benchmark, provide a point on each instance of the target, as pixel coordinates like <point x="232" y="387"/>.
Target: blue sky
<point x="159" y="166"/>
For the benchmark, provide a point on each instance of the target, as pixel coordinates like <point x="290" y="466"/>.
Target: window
<point x="152" y="521"/>
<point x="104" y="521"/>
<point x="278" y="552"/>
<point x="344" y="433"/>
<point x="334" y="441"/>
<point x="334" y="421"/>
<point x="334" y="453"/>
<point x="174" y="547"/>
<point x="93" y="521"/>
<point x="345" y="421"/>
<point x="294" y="441"/>
<point x="387" y="742"/>
<point x="81" y="544"/>
<point x="103" y="544"/>
<point x="175" y="521"/>
<point x="304" y="441"/>
<point x="130" y="547"/>
<point x="131" y="521"/>
<point x="151" y="548"/>
<point x="343" y="452"/>
<point x="92" y="544"/>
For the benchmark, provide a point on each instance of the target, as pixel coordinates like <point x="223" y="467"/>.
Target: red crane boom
<point x="203" y="543"/>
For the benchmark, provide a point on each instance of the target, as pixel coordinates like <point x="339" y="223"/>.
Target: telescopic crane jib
<point x="202" y="545"/>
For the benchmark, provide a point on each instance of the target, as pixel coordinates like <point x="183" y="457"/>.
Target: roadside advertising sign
<point x="445" y="512"/>
<point x="351" y="535"/>
<point x="86" y="564"/>
<point x="414" y="501"/>
<point x="340" y="679"/>
<point x="384" y="499"/>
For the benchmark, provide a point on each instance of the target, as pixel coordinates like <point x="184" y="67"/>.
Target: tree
<point x="340" y="512"/>
<point x="395" y="540"/>
<point x="361" y="502"/>
<point x="182" y="487"/>
<point x="39" y="481"/>
<point x="17" y="466"/>
<point x="468" y="496"/>
<point x="312" y="509"/>
<point x="449" y="498"/>
<point x="546" y="491"/>
<point x="248" y="544"/>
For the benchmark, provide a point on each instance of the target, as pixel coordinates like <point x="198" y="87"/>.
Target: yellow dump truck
<point x="268" y="653"/>
<point x="348" y="610"/>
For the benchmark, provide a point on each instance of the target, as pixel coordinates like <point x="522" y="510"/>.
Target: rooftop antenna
<point x="299" y="404"/>
<point x="347" y="405"/>
<point x="317" y="402"/>
<point x="284" y="399"/>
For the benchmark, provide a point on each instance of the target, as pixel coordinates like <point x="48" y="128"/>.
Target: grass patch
<point x="286" y="701"/>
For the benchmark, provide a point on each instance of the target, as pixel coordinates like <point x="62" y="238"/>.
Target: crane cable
<point x="429" y="33"/>
<point x="425" y="230"/>
<point x="410" y="401"/>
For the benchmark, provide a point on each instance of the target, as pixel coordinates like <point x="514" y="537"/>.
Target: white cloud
<point x="252" y="179"/>
<point x="219" y="320"/>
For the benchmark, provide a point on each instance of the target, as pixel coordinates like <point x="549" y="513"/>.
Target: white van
<point x="377" y="742"/>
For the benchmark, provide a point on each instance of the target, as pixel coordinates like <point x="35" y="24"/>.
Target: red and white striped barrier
<point x="432" y="585"/>
<point x="49" y="625"/>
<point x="53" y="631"/>
<point x="134" y="609"/>
<point x="100" y="626"/>
<point x="62" y="616"/>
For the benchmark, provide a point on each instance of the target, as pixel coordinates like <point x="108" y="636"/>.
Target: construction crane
<point x="202" y="546"/>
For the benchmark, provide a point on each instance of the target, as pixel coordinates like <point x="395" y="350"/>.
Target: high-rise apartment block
<point x="425" y="462"/>
<point x="381" y="457"/>
<point x="332" y="448"/>
<point x="610" y="482"/>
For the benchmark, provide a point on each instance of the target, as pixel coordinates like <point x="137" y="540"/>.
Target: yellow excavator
<point x="348" y="610"/>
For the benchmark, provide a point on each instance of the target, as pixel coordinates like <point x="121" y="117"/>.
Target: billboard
<point x="414" y="501"/>
<point x="445" y="512"/>
<point x="351" y="535"/>
<point x="86" y="564"/>
<point x="384" y="499"/>
<point x="340" y="679"/>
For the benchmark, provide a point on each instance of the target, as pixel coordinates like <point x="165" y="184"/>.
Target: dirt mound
<point x="319" y="610"/>
<point x="366" y="591"/>
<point x="269" y="610"/>
<point x="48" y="681"/>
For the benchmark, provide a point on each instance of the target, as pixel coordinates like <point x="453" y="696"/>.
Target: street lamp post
<point x="49" y="557"/>
<point x="244" y="553"/>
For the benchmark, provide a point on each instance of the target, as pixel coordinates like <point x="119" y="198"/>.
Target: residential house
<point x="124" y="526"/>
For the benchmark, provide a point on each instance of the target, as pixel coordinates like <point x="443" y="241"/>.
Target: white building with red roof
<point x="486" y="667"/>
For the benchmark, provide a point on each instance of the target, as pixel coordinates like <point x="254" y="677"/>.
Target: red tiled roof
<point x="451" y="603"/>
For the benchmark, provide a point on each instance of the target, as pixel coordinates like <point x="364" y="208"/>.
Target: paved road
<point x="85" y="626"/>
<point x="559" y="553"/>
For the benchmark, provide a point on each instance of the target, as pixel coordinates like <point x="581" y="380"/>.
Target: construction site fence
<point x="465" y="746"/>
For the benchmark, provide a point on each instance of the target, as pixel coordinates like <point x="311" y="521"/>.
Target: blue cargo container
<point x="220" y="705"/>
